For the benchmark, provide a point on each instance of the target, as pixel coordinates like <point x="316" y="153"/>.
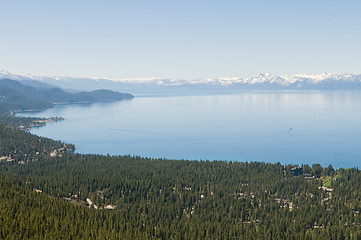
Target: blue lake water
<point x="289" y="127"/>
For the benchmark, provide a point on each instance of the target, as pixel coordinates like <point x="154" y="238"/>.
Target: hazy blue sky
<point x="179" y="39"/>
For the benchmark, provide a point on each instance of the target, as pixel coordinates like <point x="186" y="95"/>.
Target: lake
<point x="290" y="127"/>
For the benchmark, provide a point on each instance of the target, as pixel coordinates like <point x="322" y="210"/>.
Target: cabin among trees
<point x="296" y="171"/>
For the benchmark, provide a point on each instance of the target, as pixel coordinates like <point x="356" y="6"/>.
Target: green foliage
<point x="317" y="170"/>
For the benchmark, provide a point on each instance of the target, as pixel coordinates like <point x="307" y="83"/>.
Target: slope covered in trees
<point x="56" y="196"/>
<point x="19" y="146"/>
<point x="14" y="96"/>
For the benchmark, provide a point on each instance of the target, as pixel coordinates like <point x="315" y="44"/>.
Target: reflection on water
<point x="287" y="127"/>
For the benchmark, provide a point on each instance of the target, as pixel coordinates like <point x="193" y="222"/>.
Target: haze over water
<point x="291" y="127"/>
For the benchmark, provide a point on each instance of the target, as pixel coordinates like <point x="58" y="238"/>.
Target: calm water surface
<point x="287" y="127"/>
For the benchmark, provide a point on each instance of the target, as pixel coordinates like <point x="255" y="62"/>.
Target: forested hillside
<point x="12" y="100"/>
<point x="19" y="146"/>
<point x="15" y="96"/>
<point x="66" y="195"/>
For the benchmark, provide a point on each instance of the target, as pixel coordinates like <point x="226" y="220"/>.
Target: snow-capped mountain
<point x="322" y="81"/>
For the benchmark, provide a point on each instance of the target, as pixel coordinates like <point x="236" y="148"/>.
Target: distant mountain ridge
<point x="322" y="81"/>
<point x="16" y="96"/>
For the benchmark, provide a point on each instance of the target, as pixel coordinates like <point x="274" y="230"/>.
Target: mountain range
<point x="322" y="81"/>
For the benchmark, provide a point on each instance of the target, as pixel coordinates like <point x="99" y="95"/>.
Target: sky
<point x="179" y="39"/>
